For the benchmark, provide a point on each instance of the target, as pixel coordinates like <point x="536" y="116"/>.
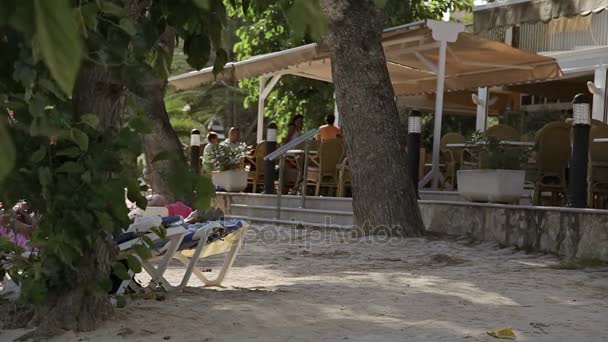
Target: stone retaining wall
<point x="579" y="233"/>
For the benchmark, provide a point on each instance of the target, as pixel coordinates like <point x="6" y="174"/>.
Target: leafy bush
<point x="491" y="153"/>
<point x="226" y="157"/>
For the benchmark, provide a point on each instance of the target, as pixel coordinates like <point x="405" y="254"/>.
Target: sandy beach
<point x="293" y="284"/>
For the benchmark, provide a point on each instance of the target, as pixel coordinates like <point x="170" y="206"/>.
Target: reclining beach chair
<point x="202" y="243"/>
<point x="172" y="240"/>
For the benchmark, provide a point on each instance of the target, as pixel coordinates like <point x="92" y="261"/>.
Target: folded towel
<point x="144" y="223"/>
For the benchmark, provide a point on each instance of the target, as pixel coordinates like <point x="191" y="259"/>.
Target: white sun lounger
<point x="174" y="236"/>
<point x="230" y="245"/>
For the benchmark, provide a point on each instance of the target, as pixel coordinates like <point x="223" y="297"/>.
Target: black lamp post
<point x="577" y="182"/>
<point x="413" y="146"/>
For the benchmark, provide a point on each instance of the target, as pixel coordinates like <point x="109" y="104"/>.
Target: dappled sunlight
<point x="464" y="290"/>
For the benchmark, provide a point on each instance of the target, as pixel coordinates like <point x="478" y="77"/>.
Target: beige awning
<point x="412" y="58"/>
<point x="515" y="12"/>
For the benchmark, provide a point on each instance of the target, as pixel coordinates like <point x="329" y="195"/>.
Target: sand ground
<point x="307" y="285"/>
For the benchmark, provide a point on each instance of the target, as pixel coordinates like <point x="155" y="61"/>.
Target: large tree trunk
<point x="79" y="307"/>
<point x="383" y="197"/>
<point x="162" y="138"/>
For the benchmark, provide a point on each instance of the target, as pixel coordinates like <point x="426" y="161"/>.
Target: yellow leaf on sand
<point x="504" y="333"/>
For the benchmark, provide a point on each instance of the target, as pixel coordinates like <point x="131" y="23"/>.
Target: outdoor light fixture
<point x="593" y="89"/>
<point x="271" y="132"/>
<point x="413" y="122"/>
<point x="580" y="110"/>
<point x="195" y="137"/>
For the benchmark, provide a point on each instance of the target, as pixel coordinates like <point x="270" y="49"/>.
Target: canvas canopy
<point x="412" y="59"/>
<point x="515" y="12"/>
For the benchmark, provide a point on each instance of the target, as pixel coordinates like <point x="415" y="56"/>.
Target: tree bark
<point x="162" y="136"/>
<point x="383" y="196"/>
<point x="78" y="307"/>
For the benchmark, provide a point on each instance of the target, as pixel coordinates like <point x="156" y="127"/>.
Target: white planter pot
<point x="499" y="186"/>
<point x="231" y="181"/>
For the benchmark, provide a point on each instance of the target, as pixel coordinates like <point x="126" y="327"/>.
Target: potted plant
<point x="228" y="167"/>
<point x="498" y="175"/>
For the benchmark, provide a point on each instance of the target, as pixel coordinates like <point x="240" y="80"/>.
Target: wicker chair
<point x="503" y="132"/>
<point x="322" y="168"/>
<point x="256" y="176"/>
<point x="597" y="173"/>
<point x="552" y="157"/>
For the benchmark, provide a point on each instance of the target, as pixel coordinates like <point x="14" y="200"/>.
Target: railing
<point x="280" y="154"/>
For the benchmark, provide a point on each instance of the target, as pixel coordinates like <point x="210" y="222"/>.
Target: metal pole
<point x="413" y="147"/>
<point x="269" y="165"/>
<point x="195" y="151"/>
<point x="280" y="192"/>
<point x="261" y="100"/>
<point x="305" y="173"/>
<point x="577" y="182"/>
<point x="443" y="45"/>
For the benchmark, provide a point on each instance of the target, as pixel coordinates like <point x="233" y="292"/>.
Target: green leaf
<point x="80" y="138"/>
<point x="39" y="155"/>
<point x="71" y="152"/>
<point x="70" y="167"/>
<point x="44" y="176"/>
<point x="119" y="269"/>
<point x="134" y="195"/>
<point x="121" y="302"/>
<point x="134" y="264"/>
<point x="197" y="48"/>
<point x="105" y="221"/>
<point x="128" y="26"/>
<point x="7" y="151"/>
<point x="306" y="16"/>
<point x="205" y="190"/>
<point x="108" y="7"/>
<point x="59" y="41"/>
<point x="147" y="241"/>
<point x="143" y="251"/>
<point x="86" y="177"/>
<point x="221" y="58"/>
<point x="204" y="4"/>
<point x="90" y="120"/>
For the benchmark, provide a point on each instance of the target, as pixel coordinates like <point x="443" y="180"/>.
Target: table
<point x="600" y="140"/>
<point x="512" y="143"/>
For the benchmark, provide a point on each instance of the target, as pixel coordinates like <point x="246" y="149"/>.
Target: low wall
<point x="580" y="233"/>
<point x="570" y="233"/>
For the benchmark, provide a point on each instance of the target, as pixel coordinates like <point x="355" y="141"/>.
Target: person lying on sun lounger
<point x="157" y="206"/>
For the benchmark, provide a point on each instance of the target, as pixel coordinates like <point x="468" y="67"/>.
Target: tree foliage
<point x="290" y="23"/>
<point x="73" y="164"/>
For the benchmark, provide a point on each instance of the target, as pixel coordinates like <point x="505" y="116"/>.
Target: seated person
<point x="213" y="140"/>
<point x="234" y="138"/>
<point x="329" y="131"/>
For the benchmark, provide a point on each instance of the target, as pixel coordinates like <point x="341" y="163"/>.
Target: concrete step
<point x="289" y="201"/>
<point x="260" y="220"/>
<point x="316" y="216"/>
